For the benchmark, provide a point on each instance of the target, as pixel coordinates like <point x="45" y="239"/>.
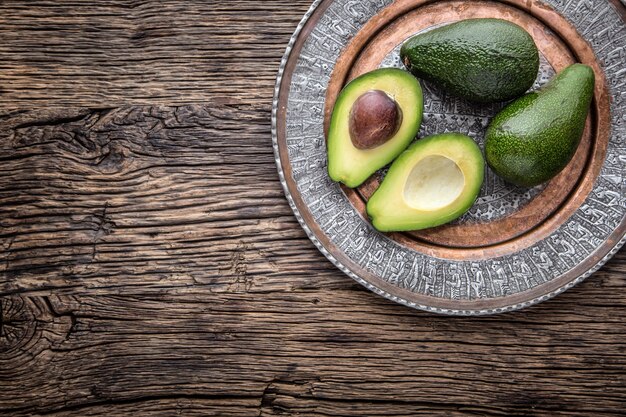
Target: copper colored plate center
<point x="561" y="45"/>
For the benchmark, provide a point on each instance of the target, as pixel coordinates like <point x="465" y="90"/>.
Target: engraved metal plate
<point x="566" y="247"/>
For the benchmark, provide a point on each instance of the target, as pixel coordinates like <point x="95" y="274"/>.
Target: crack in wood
<point x="7" y="253"/>
<point x="53" y="121"/>
<point x="104" y="227"/>
<point x="265" y="401"/>
<point x="56" y="314"/>
<point x="134" y="400"/>
<point x="1" y="319"/>
<point x="239" y="269"/>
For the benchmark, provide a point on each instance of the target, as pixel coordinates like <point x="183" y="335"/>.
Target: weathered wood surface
<point x="112" y="52"/>
<point x="150" y="265"/>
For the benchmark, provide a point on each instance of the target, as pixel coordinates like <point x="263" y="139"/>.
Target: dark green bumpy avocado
<point x="482" y="60"/>
<point x="533" y="138"/>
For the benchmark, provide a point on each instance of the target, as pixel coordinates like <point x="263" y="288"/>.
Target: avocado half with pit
<point x="436" y="180"/>
<point x="375" y="118"/>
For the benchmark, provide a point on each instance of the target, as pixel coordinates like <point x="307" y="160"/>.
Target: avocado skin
<point x="482" y="60"/>
<point x="533" y="138"/>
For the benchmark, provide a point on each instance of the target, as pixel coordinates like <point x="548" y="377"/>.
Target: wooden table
<point x="150" y="264"/>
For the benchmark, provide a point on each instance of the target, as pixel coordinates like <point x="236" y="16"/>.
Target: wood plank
<point x="312" y="352"/>
<point x="147" y="197"/>
<point x="115" y="52"/>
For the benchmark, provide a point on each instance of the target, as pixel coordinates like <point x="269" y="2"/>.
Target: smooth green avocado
<point x="533" y="138"/>
<point x="482" y="60"/>
<point x="376" y="116"/>
<point x="435" y="181"/>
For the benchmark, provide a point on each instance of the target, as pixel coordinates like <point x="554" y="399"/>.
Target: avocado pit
<point x="374" y="119"/>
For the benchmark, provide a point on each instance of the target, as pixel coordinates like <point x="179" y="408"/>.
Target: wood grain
<point x="187" y="195"/>
<point x="150" y="264"/>
<point x="110" y="52"/>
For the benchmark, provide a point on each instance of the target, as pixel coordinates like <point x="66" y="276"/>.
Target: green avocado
<point x="375" y="118"/>
<point x="435" y="181"/>
<point x="482" y="60"/>
<point x="533" y="138"/>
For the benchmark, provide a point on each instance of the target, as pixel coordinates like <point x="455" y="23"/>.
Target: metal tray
<point x="516" y="247"/>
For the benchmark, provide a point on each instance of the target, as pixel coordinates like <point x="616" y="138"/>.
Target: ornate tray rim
<point x="377" y="290"/>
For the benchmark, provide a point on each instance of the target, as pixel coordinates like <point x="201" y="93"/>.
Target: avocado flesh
<point x="533" y="138"/>
<point x="436" y="180"/>
<point x="353" y="166"/>
<point x="482" y="60"/>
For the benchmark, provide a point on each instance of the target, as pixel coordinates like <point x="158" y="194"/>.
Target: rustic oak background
<point x="150" y="265"/>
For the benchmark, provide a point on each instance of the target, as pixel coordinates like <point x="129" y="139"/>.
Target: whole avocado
<point x="482" y="60"/>
<point x="533" y="138"/>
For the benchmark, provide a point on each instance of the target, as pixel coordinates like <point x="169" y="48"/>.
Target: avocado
<point x="533" y="138"/>
<point x="482" y="60"/>
<point x="433" y="182"/>
<point x="375" y="117"/>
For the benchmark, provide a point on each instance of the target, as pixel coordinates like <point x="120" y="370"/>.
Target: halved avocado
<point x="435" y="181"/>
<point x="375" y="118"/>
